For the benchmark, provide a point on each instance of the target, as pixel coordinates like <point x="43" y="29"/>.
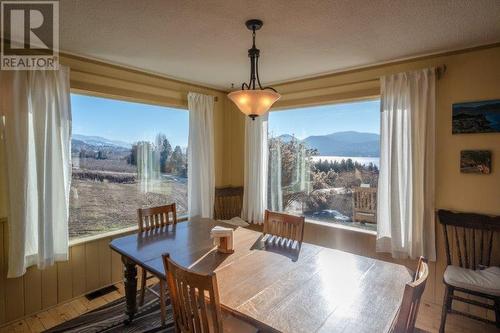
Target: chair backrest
<point x="284" y="225"/>
<point x="195" y="299"/>
<point x="364" y="199"/>
<point x="407" y="315"/>
<point x="228" y="202"/>
<point x="156" y="217"/>
<point x="471" y="237"/>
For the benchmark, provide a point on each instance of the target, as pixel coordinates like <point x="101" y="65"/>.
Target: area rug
<point x="109" y="319"/>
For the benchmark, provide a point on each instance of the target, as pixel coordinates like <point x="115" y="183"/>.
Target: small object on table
<point x="223" y="239"/>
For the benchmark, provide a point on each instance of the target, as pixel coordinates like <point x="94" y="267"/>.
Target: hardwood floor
<point x="62" y="312"/>
<point x="428" y="318"/>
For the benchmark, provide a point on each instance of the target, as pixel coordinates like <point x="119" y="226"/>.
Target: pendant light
<point x="253" y="99"/>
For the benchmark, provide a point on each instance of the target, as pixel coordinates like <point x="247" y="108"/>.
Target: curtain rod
<point x="440" y="70"/>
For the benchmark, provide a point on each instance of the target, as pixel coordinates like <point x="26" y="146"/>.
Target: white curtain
<point x="201" y="174"/>
<point x="256" y="159"/>
<point x="35" y="106"/>
<point x="405" y="212"/>
<point x="275" y="191"/>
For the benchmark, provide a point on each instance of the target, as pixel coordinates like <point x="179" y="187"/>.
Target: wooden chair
<point x="151" y="219"/>
<point x="284" y="225"/>
<point x="156" y="217"/>
<point x="228" y="202"/>
<point x="407" y="315"/>
<point x="195" y="300"/>
<point x="364" y="204"/>
<point x="469" y="270"/>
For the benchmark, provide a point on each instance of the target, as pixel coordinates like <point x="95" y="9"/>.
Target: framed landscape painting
<point x="476" y="117"/>
<point x="475" y="161"/>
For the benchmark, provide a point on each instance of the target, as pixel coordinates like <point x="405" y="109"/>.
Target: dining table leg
<point x="130" y="281"/>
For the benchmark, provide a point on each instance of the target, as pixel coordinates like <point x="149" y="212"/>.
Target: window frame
<point x="327" y="102"/>
<point x="126" y="230"/>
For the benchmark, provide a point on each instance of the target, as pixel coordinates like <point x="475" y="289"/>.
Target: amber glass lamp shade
<point x="254" y="103"/>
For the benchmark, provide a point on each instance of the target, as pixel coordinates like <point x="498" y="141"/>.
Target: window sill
<point x="93" y="238"/>
<point x="342" y="227"/>
<point x="109" y="234"/>
<point x="123" y="232"/>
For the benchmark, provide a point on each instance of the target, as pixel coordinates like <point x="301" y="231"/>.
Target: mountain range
<point x="348" y="143"/>
<point x="88" y="143"/>
<point x="99" y="141"/>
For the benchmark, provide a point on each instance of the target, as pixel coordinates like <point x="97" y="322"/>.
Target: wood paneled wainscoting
<point x="91" y="265"/>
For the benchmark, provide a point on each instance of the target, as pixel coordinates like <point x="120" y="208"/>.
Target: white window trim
<point x="343" y="227"/>
<point x="114" y="233"/>
<point x="326" y="103"/>
<point x="121" y="231"/>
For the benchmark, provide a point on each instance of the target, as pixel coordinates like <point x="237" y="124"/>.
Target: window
<point x="124" y="156"/>
<point x="324" y="159"/>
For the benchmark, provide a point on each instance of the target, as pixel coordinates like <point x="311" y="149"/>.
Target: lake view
<point x="361" y="160"/>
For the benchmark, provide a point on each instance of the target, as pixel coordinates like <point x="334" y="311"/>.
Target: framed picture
<point x="476" y="117"/>
<point x="475" y="161"/>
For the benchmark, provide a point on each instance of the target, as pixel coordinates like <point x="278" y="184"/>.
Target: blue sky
<point x="131" y="122"/>
<point x="127" y="121"/>
<point x="363" y="116"/>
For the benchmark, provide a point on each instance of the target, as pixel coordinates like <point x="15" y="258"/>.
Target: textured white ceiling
<point x="206" y="41"/>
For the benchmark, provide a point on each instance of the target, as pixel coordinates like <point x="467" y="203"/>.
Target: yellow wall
<point x="92" y="265"/>
<point x="100" y="79"/>
<point x="471" y="75"/>
<point x="233" y="145"/>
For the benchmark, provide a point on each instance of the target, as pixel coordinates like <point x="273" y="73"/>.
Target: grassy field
<point x="102" y="206"/>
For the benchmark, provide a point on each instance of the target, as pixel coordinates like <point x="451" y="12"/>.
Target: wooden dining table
<point x="305" y="288"/>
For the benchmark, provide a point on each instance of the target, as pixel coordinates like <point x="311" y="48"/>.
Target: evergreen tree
<point x="177" y="161"/>
<point x="165" y="150"/>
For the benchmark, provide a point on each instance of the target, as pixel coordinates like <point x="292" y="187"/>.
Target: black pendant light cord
<point x="253" y="54"/>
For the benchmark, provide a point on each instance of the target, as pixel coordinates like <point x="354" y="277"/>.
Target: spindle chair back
<point x="156" y="217"/>
<point x="284" y="225"/>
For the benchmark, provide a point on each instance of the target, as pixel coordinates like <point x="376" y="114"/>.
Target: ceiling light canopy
<point x="253" y="99"/>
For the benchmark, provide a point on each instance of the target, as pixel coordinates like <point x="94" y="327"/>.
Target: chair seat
<point x="486" y="281"/>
